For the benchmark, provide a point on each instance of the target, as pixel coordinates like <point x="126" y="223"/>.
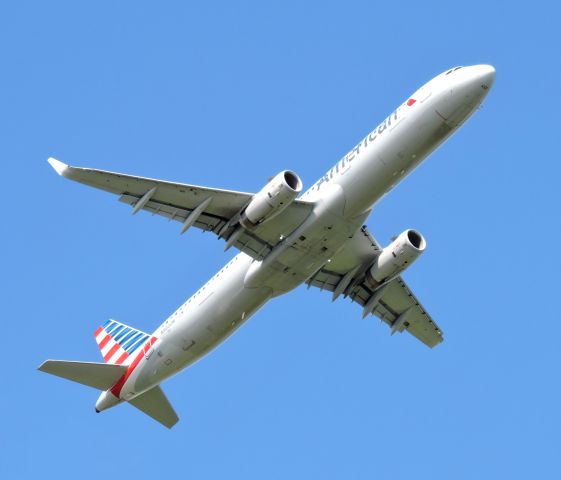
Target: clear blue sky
<point x="227" y="94"/>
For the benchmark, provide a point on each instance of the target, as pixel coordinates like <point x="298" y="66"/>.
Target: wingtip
<point x="58" y="166"/>
<point x="173" y="423"/>
<point x="44" y="366"/>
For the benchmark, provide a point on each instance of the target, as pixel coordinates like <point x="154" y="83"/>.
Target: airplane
<point x="284" y="240"/>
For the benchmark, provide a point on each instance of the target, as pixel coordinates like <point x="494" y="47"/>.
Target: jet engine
<point x="278" y="194"/>
<point x="396" y="257"/>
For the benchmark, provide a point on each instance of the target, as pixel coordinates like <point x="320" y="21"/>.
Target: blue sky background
<point x="227" y="94"/>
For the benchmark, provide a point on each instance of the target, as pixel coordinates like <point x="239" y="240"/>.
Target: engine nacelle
<point x="278" y="194"/>
<point x="396" y="257"/>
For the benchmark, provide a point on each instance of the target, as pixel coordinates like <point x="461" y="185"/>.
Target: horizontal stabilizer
<point x="155" y="404"/>
<point x="97" y="375"/>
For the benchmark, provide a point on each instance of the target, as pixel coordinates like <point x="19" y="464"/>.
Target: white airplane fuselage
<point x="344" y="197"/>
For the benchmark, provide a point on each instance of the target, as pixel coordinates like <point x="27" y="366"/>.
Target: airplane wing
<point x="208" y="209"/>
<point x="394" y="303"/>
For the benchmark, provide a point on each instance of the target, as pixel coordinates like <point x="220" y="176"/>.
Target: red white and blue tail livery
<point x="117" y="341"/>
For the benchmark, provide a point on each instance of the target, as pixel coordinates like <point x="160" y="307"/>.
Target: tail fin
<point x="118" y="341"/>
<point x="97" y="375"/>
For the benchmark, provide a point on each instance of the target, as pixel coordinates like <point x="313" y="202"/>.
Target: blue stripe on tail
<point x="128" y="338"/>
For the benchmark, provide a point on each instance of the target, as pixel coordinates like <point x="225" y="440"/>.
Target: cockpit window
<point x="452" y="70"/>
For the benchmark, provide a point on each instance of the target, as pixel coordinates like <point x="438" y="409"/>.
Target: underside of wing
<point x="209" y="209"/>
<point x="393" y="302"/>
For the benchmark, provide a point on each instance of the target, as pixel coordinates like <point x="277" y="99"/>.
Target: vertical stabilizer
<point x="118" y="341"/>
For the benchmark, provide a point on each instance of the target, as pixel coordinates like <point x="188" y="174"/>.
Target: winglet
<point x="60" y="168"/>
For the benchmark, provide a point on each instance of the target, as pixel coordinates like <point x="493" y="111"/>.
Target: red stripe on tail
<point x="111" y="352"/>
<point x="116" y="389"/>
<point x="104" y="342"/>
<point x="122" y="358"/>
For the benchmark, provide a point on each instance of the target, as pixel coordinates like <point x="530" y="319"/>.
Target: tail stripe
<point x="122" y="358"/>
<point x="121" y="334"/>
<point x="132" y="340"/>
<point x="116" y="389"/>
<point x="111" y="327"/>
<point x="127" y="336"/>
<point x="118" y="341"/>
<point x="111" y="352"/>
<point x="116" y="331"/>
<point x="133" y="347"/>
<point x="104" y="342"/>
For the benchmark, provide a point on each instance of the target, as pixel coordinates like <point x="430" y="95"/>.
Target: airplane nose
<point x="464" y="93"/>
<point x="486" y="75"/>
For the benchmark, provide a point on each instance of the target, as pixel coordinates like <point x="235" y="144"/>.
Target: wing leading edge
<point x="209" y="209"/>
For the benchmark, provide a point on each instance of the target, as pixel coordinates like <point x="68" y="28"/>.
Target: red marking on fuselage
<point x="410" y="102"/>
<point x="116" y="389"/>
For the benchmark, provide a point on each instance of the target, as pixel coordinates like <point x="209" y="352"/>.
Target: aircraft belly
<point x="204" y="324"/>
<point x="306" y="250"/>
